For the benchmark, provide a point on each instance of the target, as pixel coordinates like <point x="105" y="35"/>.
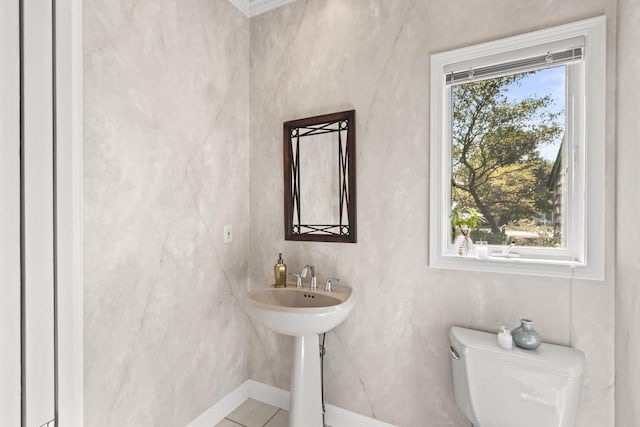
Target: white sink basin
<point x="300" y="311"/>
<point x="304" y="314"/>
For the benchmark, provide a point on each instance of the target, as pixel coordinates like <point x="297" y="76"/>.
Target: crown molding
<point x="258" y="7"/>
<point x="242" y="5"/>
<point x="251" y="8"/>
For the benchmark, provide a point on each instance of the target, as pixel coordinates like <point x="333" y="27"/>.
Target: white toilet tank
<point x="495" y="387"/>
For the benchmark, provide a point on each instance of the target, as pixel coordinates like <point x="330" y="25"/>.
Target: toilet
<point x="495" y="387"/>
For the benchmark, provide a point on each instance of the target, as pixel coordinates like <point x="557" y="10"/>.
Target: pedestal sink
<point x="302" y="313"/>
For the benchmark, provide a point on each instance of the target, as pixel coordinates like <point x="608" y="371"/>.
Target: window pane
<point x="508" y="157"/>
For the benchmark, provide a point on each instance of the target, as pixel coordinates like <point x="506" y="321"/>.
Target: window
<point x="517" y="154"/>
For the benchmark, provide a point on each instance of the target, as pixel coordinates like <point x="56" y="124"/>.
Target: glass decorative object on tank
<point x="465" y="220"/>
<point x="525" y="336"/>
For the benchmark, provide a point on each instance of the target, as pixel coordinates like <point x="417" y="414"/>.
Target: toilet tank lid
<point x="552" y="358"/>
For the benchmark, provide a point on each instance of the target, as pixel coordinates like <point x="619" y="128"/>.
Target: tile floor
<point x="256" y="414"/>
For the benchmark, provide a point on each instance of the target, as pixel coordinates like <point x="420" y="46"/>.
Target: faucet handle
<point x="298" y="280"/>
<point x="327" y="285"/>
<point x="312" y="284"/>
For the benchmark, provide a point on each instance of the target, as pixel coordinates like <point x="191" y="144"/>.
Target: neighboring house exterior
<point x="556" y="183"/>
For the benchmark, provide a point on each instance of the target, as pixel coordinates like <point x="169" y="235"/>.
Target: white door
<point x="9" y="214"/>
<point x="28" y="346"/>
<point x="38" y="373"/>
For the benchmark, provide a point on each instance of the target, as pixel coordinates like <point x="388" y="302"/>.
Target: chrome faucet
<point x="313" y="285"/>
<point x="327" y="285"/>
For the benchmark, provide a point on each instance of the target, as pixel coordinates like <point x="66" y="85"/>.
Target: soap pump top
<point x="280" y="273"/>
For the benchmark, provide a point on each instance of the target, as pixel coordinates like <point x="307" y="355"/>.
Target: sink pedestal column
<point x="305" y="407"/>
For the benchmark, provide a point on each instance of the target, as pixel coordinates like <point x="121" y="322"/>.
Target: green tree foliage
<point x="496" y="164"/>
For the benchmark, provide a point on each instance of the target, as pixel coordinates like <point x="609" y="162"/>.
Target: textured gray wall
<point x="628" y="209"/>
<point x="166" y="120"/>
<point x="167" y="165"/>
<point x="390" y="358"/>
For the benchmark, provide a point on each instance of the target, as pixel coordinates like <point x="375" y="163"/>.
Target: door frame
<point x="70" y="330"/>
<point x="68" y="49"/>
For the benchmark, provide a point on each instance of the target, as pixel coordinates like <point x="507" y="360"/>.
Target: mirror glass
<point x="319" y="178"/>
<point x="319" y="172"/>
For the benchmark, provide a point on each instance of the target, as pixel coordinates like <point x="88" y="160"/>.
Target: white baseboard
<point x="217" y="412"/>
<point x="335" y="417"/>
<point x="268" y="394"/>
<point x="338" y="417"/>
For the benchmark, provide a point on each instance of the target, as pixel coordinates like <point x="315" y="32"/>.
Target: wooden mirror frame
<point x="342" y="232"/>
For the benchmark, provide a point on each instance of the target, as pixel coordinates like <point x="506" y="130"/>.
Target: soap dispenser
<point x="505" y="340"/>
<point x="280" y="273"/>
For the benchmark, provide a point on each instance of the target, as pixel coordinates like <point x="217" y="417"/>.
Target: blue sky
<point x="549" y="81"/>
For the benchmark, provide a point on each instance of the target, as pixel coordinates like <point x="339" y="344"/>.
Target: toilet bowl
<point x="495" y="387"/>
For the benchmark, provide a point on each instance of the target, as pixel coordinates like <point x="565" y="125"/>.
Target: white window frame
<point x="583" y="256"/>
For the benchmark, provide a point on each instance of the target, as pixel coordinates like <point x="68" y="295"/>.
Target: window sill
<point x="518" y="265"/>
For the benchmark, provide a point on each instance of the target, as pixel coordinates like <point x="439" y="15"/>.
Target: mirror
<point x="320" y="178"/>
